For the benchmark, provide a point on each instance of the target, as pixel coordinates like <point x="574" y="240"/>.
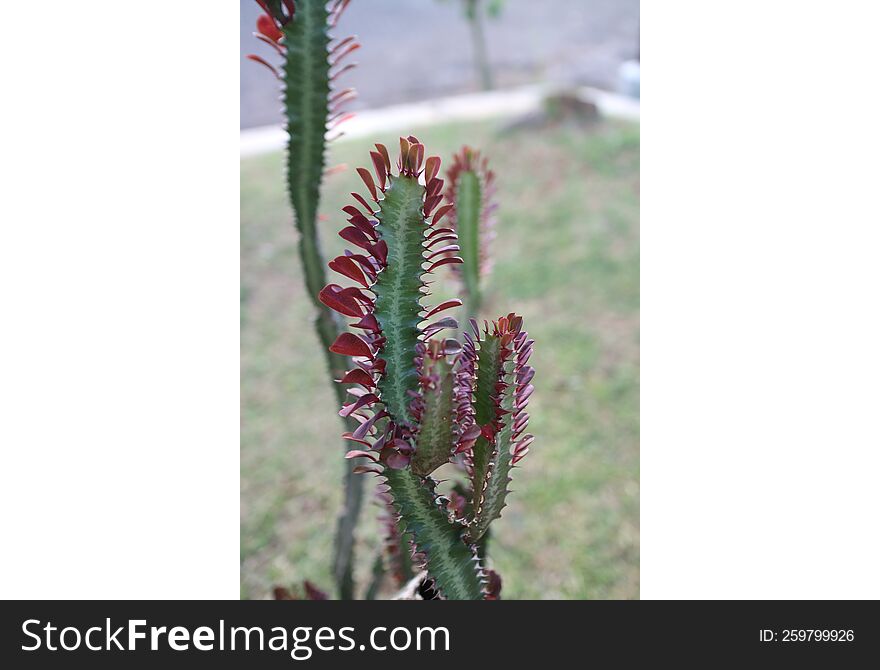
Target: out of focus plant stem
<point x="299" y="33"/>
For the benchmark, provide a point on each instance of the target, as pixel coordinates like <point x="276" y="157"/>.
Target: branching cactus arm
<point x="433" y="413"/>
<point x="471" y="188"/>
<point x="503" y="388"/>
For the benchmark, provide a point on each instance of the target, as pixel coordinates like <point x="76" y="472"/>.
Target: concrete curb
<point x="470" y="107"/>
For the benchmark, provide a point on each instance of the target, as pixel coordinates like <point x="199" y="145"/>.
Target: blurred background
<point x="420" y="49"/>
<point x="560" y="127"/>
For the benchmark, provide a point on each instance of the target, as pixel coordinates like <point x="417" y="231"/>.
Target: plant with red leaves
<point x="299" y="34"/>
<point x="421" y="401"/>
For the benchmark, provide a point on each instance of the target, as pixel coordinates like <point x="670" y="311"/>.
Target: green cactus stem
<point x="503" y="388"/>
<point x="452" y="563"/>
<point x="471" y="188"/>
<point x="299" y="33"/>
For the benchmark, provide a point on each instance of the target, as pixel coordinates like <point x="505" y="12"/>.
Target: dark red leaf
<point x="404" y="154"/>
<point x="430" y="203"/>
<point x="282" y="593"/>
<point x="379" y="251"/>
<point x="440" y="213"/>
<point x="452" y="260"/>
<point x="332" y="296"/>
<point x="348" y="268"/>
<point x="522" y="396"/>
<point x="361" y="222"/>
<point x="439" y="231"/>
<point x="379" y="165"/>
<point x="434" y="187"/>
<point x="355" y="236"/>
<point x="353" y="438"/>
<point x="367" y="178"/>
<point x="363" y="201"/>
<point x="357" y="376"/>
<point x="356" y="294"/>
<point x="364" y="262"/>
<point x="360" y="453"/>
<point x="385" y="159"/>
<point x="397" y="461"/>
<point x="365" y="427"/>
<point x="402" y="446"/>
<point x="432" y="167"/>
<point x="368" y="400"/>
<point x="313" y="592"/>
<point x="443" y="238"/>
<point x="369" y="322"/>
<point x="437" y="326"/>
<point x="349" y="344"/>
<point x="493" y="585"/>
<point x="266" y="25"/>
<point x="457" y="503"/>
<point x="470" y="434"/>
<point x="449" y="248"/>
<point x="525" y="374"/>
<point x="351" y="210"/>
<point x="455" y="302"/>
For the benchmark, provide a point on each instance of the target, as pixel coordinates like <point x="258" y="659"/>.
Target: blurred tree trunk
<point x="478" y="37"/>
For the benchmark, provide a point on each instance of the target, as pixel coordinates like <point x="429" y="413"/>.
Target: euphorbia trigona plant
<point x="299" y="33"/>
<point x="471" y="188"/>
<point x="421" y="401"/>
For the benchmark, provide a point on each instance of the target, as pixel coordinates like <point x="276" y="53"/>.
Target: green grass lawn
<point x="567" y="258"/>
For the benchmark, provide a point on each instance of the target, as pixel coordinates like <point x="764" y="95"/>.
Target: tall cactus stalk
<point x="299" y="33"/>
<point x="471" y="188"/>
<point x="418" y="400"/>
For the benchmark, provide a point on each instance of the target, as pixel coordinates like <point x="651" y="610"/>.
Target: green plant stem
<point x="469" y="207"/>
<point x="376" y="578"/>
<point x="306" y="90"/>
<point x="471" y="310"/>
<point x="450" y="561"/>
<point x="353" y="485"/>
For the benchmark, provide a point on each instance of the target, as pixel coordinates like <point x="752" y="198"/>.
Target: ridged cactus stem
<point x="299" y="32"/>
<point x="467" y="211"/>
<point x="501" y="393"/>
<point x="471" y="189"/>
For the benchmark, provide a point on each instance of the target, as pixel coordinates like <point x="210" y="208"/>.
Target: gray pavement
<point x="420" y="49"/>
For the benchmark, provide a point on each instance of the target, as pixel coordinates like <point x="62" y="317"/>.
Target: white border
<point x="119" y="268"/>
<point x="760" y="444"/>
